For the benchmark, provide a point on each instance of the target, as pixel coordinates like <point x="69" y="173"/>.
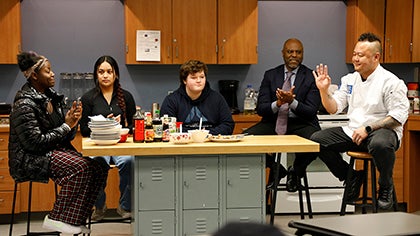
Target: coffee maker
<point x="228" y="89"/>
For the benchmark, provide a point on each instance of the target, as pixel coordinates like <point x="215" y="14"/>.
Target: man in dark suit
<point x="303" y="102"/>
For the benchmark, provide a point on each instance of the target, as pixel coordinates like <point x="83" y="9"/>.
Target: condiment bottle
<point x="138" y="129"/>
<point x="165" y="126"/>
<point x="149" y="134"/>
<point x="157" y="129"/>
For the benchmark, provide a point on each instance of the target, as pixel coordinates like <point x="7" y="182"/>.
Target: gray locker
<point x="156" y="183"/>
<point x="200" y="183"/>
<point x="200" y="222"/>
<point x="159" y="223"/>
<point x="244" y="181"/>
<point x="245" y="215"/>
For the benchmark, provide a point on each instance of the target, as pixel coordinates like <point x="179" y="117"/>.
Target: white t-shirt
<point x="382" y="94"/>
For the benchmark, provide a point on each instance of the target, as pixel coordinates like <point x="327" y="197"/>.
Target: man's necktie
<point x="283" y="114"/>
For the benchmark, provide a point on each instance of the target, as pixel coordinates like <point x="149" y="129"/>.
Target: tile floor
<point x="124" y="229"/>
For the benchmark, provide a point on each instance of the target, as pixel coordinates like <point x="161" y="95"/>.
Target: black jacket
<point x="305" y="91"/>
<point x="34" y="133"/>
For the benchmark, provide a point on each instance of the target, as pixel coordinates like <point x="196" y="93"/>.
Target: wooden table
<point x="250" y="144"/>
<point x="195" y="188"/>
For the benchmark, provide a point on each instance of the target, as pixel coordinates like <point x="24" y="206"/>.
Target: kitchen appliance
<point x="5" y="108"/>
<point x="325" y="189"/>
<point x="228" y="89"/>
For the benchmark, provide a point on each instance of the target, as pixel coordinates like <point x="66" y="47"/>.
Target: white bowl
<point x="124" y="131"/>
<point x="180" y="138"/>
<point x="199" y="136"/>
<point x="105" y="142"/>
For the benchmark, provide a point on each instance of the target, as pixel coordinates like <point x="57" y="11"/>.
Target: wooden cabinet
<point x="194" y="31"/>
<point x="242" y="122"/>
<point x="416" y="32"/>
<point x="363" y="16"/>
<point x="238" y="31"/>
<point x="148" y="15"/>
<point x="6" y="181"/>
<point x="10" y="36"/>
<point x="396" y="28"/>
<point x="191" y="31"/>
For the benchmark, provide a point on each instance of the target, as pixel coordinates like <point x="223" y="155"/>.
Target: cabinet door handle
<point x="223" y="48"/>
<point x="2" y="140"/>
<point x="2" y="158"/>
<point x="186" y="184"/>
<point x="1" y="200"/>
<point x="1" y="176"/>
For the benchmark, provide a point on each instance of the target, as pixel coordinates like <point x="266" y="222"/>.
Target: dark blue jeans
<point x="381" y="143"/>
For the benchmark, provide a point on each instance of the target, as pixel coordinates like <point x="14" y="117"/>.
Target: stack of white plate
<point x="104" y="132"/>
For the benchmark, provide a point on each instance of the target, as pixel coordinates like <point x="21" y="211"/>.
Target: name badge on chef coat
<point x="349" y="89"/>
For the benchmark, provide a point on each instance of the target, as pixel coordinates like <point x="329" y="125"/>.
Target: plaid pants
<point x="80" y="179"/>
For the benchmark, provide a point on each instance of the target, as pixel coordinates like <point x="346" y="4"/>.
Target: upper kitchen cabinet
<point x="148" y="15"/>
<point x="188" y="29"/>
<point x="394" y="27"/>
<point x="398" y="29"/>
<point x="238" y="32"/>
<point x="194" y="36"/>
<point x="213" y="31"/>
<point x="363" y="16"/>
<point x="416" y="32"/>
<point x="10" y="38"/>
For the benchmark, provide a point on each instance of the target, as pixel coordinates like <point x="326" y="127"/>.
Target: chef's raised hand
<point x="322" y="79"/>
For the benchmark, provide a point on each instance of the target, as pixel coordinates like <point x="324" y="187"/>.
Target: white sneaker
<point x="98" y="214"/>
<point x="62" y="227"/>
<point x="123" y="213"/>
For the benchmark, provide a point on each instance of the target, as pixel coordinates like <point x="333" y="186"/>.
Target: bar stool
<point x="28" y="232"/>
<point x="366" y="201"/>
<point x="277" y="186"/>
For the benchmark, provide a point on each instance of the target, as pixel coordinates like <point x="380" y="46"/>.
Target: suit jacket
<point x="307" y="94"/>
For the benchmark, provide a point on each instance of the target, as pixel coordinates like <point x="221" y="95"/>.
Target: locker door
<point x="245" y="215"/>
<point x="159" y="223"/>
<point x="156" y="183"/>
<point x="200" y="222"/>
<point x="200" y="180"/>
<point x="244" y="178"/>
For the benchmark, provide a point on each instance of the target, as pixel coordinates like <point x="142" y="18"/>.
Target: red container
<point x="413" y="89"/>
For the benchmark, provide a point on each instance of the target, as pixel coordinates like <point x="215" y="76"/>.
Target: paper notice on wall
<point x="148" y="45"/>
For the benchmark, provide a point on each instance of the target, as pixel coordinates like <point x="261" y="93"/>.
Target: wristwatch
<point x="368" y="129"/>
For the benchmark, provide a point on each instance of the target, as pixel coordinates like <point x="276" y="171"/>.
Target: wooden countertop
<point x="249" y="144"/>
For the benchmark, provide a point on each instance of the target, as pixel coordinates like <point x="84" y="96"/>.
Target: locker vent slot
<point x="157" y="174"/>
<point x="244" y="172"/>
<point x="201" y="173"/>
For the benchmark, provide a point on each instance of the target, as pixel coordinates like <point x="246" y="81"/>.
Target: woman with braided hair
<point x="107" y="98"/>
